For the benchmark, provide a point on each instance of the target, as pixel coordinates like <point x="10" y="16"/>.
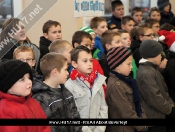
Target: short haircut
<point x="122" y="31"/>
<point x="167" y="27"/>
<point x="51" y="61"/>
<point x="23" y="48"/>
<point x="126" y="19"/>
<point x="134" y="32"/>
<point x="107" y="37"/>
<point x="95" y="21"/>
<point x="76" y="51"/>
<point x="136" y="9"/>
<point x="59" y="46"/>
<point x="115" y="3"/>
<point x="152" y="10"/>
<point x="78" y="37"/>
<point x="150" y="22"/>
<point x="49" y="24"/>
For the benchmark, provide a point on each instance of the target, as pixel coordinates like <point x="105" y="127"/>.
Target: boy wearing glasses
<point x="139" y="34"/>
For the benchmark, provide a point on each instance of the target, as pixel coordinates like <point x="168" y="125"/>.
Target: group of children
<point x="102" y="74"/>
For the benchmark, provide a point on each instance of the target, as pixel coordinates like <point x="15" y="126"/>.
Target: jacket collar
<point x="148" y="63"/>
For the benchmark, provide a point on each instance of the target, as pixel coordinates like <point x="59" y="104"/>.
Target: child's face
<point x="54" y="33"/>
<point x="93" y="40"/>
<point x="84" y="63"/>
<point x="148" y="35"/>
<point x="155" y="28"/>
<point x="26" y="57"/>
<point x="116" y="42"/>
<point x="67" y="54"/>
<point x="157" y="60"/>
<point x="63" y="74"/>
<point x="21" y="34"/>
<point x="138" y="17"/>
<point x="86" y="42"/>
<point x="163" y="63"/>
<point x="166" y="8"/>
<point x="125" y="67"/>
<point x="126" y="40"/>
<point x="119" y="11"/>
<point x="101" y="28"/>
<point x="22" y="87"/>
<point x="129" y="26"/>
<point x="155" y="15"/>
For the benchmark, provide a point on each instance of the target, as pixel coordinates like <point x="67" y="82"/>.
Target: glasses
<point x="27" y="60"/>
<point x="148" y="35"/>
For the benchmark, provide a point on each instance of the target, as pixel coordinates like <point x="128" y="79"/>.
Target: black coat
<point x="113" y="21"/>
<point x="169" y="74"/>
<point x="165" y="18"/>
<point x="57" y="103"/>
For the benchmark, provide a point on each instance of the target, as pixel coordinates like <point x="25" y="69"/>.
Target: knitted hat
<point x="150" y="49"/>
<point x="162" y="3"/>
<point x="11" y="71"/>
<point x="117" y="56"/>
<point x="87" y="29"/>
<point x="169" y="39"/>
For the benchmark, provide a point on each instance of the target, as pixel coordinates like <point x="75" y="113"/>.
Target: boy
<point x="142" y="32"/>
<point x="127" y="23"/>
<point x="86" y="87"/>
<point x="122" y="94"/>
<point x="152" y="88"/>
<point x="154" y="13"/>
<point x="137" y="15"/>
<point x="55" y="99"/>
<point x="51" y="32"/>
<point x="126" y="42"/>
<point x="110" y="39"/>
<point x="15" y="96"/>
<point x="165" y="9"/>
<point x="99" y="26"/>
<point x="117" y="14"/>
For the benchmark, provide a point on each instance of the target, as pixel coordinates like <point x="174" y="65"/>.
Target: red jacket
<point x="12" y="106"/>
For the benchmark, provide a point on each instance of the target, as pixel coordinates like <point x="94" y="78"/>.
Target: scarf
<point x="90" y="78"/>
<point x="132" y="82"/>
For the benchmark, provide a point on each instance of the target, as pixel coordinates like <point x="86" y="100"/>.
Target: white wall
<point x="17" y="7"/>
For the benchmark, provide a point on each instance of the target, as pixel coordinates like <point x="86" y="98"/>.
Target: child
<point x="55" y="99"/>
<point x="15" y="97"/>
<point x="19" y="38"/>
<point x="165" y="9"/>
<point x="117" y="14"/>
<point x="142" y="32"/>
<point x="126" y="42"/>
<point x="127" y="23"/>
<point x="51" y="32"/>
<point x="110" y="39"/>
<point x="152" y="88"/>
<point x="137" y="15"/>
<point x="154" y="13"/>
<point x="86" y="87"/>
<point x="122" y="94"/>
<point x="99" y="26"/>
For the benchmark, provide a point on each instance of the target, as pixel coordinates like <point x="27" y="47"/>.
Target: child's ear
<point x="54" y="72"/>
<point x="76" y="44"/>
<point x="140" y="37"/>
<point x="45" y="35"/>
<point x="33" y="63"/>
<point x="74" y="64"/>
<point x="95" y="30"/>
<point x="122" y="26"/>
<point x="107" y="46"/>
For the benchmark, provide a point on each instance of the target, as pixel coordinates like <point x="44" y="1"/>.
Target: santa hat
<point x="169" y="39"/>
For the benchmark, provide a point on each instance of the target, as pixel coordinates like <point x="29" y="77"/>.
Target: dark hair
<point x="126" y="19"/>
<point x="122" y="31"/>
<point x="115" y="3"/>
<point x="48" y="24"/>
<point x="136" y="9"/>
<point x="76" y="51"/>
<point x="167" y="27"/>
<point x="78" y="37"/>
<point x="95" y="21"/>
<point x="150" y="22"/>
<point x="152" y="10"/>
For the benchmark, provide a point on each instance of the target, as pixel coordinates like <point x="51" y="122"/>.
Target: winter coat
<point x="153" y="91"/>
<point x="165" y="18"/>
<point x="90" y="102"/>
<point x="121" y="104"/>
<point x="98" y="45"/>
<point x="58" y="103"/>
<point x="113" y="21"/>
<point x="15" y="107"/>
<point x="169" y="74"/>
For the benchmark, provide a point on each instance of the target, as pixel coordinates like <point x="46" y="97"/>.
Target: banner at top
<point x="88" y="8"/>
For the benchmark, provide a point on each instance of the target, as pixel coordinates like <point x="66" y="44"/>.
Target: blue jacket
<point x="98" y="45"/>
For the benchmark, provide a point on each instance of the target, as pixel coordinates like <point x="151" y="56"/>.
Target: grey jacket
<point x="153" y="91"/>
<point x="90" y="103"/>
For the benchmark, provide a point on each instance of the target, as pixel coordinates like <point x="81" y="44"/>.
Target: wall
<point x="172" y="6"/>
